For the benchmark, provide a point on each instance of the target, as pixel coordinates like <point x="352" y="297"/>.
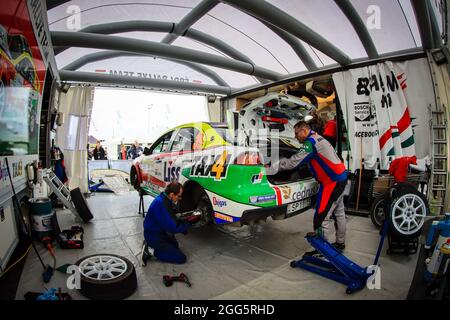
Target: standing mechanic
<point x="331" y="174"/>
<point x="161" y="225"/>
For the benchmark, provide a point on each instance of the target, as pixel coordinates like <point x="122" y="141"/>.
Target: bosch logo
<point x="219" y="203"/>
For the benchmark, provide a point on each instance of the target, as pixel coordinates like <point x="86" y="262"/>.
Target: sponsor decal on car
<point x="219" y="202"/>
<point x="211" y="166"/>
<point x="304" y="193"/>
<point x="259" y="199"/>
<point x="286" y="191"/>
<point x="219" y="216"/>
<point x="171" y="173"/>
<point x="155" y="181"/>
<point x="257" y="178"/>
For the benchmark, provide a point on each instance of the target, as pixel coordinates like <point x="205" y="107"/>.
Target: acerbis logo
<point x="219" y="203"/>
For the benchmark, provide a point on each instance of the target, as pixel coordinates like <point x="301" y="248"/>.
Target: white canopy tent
<point x="222" y="47"/>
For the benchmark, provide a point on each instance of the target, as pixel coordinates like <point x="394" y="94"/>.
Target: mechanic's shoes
<point x="339" y="246"/>
<point x="146" y="253"/>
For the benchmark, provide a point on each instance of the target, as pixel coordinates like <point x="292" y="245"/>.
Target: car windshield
<point x="225" y="133"/>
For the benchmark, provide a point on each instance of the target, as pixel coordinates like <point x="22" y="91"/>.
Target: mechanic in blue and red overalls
<point x="331" y="174"/>
<point x="161" y="224"/>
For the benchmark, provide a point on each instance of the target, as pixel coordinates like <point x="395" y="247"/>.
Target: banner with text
<point x="384" y="109"/>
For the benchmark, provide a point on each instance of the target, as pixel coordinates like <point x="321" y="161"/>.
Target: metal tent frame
<point x="292" y="31"/>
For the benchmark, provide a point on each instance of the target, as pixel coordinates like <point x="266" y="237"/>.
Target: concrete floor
<point x="223" y="262"/>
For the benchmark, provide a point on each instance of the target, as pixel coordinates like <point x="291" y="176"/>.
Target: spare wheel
<point x="409" y="209"/>
<point x="107" y="277"/>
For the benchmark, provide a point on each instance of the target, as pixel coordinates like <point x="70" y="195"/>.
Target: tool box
<point x="71" y="238"/>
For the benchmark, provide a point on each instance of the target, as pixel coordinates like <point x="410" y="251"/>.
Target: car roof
<point x="201" y="123"/>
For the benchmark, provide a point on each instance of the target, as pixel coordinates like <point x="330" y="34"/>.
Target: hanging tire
<point x="409" y="209"/>
<point x="377" y="214"/>
<point x="107" y="277"/>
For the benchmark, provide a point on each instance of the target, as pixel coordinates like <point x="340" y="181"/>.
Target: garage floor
<point x="223" y="262"/>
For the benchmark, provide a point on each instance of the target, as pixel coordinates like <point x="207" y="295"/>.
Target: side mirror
<point x="147" y="151"/>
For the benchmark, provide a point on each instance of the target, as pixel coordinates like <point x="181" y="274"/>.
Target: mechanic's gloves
<point x="193" y="219"/>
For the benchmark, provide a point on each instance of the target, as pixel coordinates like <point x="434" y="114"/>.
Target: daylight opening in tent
<point x="125" y="115"/>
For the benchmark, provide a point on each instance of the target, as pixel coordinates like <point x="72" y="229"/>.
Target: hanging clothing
<point x="399" y="168"/>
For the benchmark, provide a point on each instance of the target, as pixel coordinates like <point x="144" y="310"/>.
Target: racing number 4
<point x="219" y="166"/>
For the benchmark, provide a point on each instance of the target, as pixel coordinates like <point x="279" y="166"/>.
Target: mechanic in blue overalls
<point x="161" y="225"/>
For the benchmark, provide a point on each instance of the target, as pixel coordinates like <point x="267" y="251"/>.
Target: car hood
<point x="272" y="115"/>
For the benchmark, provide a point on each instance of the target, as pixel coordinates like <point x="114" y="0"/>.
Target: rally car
<point x="23" y="59"/>
<point x="224" y="175"/>
<point x="7" y="69"/>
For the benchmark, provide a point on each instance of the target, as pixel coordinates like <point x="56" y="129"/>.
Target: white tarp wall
<point x="72" y="136"/>
<point x="386" y="108"/>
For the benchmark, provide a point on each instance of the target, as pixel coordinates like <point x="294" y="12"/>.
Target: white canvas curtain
<point x="386" y="110"/>
<point x="71" y="137"/>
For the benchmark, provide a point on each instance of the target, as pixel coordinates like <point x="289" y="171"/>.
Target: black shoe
<point x="145" y="254"/>
<point x="339" y="246"/>
<point x="313" y="253"/>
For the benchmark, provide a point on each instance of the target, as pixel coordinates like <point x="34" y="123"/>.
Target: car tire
<point x="81" y="205"/>
<point x="120" y="286"/>
<point x="25" y="224"/>
<point x="408" y="211"/>
<point x="134" y="178"/>
<point x="377" y="214"/>
<point x="202" y="202"/>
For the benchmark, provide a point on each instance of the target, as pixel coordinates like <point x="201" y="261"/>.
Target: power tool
<point x="169" y="280"/>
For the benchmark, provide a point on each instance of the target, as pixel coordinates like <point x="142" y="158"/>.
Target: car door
<point x="154" y="165"/>
<point x="181" y="153"/>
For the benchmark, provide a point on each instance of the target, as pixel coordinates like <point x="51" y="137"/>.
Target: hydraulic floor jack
<point x="335" y="266"/>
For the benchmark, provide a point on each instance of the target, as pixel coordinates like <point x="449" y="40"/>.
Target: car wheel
<point x="205" y="206"/>
<point x="106" y="277"/>
<point x="134" y="178"/>
<point x="409" y="209"/>
<point x="202" y="202"/>
<point x="377" y="212"/>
